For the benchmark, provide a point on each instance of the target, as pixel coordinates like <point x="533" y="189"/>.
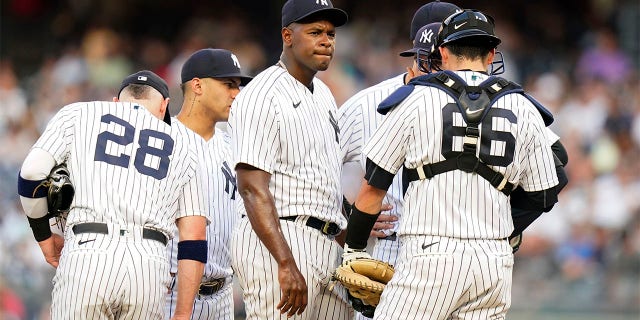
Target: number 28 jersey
<point x="427" y="127"/>
<point x="127" y="166"/>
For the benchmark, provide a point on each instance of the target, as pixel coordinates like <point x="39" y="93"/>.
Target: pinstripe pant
<point x="110" y="277"/>
<point x="316" y="256"/>
<point x="447" y="278"/>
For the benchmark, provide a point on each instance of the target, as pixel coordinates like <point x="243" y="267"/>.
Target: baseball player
<point x="522" y="213"/>
<point x="211" y="79"/>
<point x="455" y="221"/>
<point x="358" y="117"/>
<point x="134" y="177"/>
<point x="286" y="154"/>
<point x="358" y="120"/>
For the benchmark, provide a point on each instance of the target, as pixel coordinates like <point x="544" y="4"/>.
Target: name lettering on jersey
<point x="231" y="180"/>
<point x="334" y="123"/>
<point x="322" y="2"/>
<point x="236" y="62"/>
<point x="426" y="36"/>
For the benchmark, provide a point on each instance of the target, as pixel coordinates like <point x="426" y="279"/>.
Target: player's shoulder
<point x="522" y="105"/>
<point x="83" y="105"/>
<point x="384" y="87"/>
<point x="183" y="132"/>
<point x="222" y="136"/>
<point x="318" y="84"/>
<point x="76" y="109"/>
<point x="261" y="86"/>
<point x="265" y="79"/>
<point x="181" y="128"/>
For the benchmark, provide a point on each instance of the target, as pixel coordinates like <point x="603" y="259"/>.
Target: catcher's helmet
<point x="469" y="27"/>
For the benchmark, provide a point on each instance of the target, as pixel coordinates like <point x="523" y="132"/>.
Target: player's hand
<point x="293" y="288"/>
<point x="51" y="249"/>
<point x="384" y="222"/>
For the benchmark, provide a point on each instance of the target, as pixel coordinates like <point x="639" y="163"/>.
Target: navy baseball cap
<point x="213" y="63"/>
<point x="426" y="39"/>
<point x="435" y="11"/>
<point x="151" y="79"/>
<point x="299" y="10"/>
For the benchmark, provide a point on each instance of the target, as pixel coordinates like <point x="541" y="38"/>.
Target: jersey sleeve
<point x="58" y="136"/>
<point x="387" y="146"/>
<point x="539" y="172"/>
<point x="552" y="137"/>
<point x="351" y="130"/>
<point x="253" y="125"/>
<point x="193" y="199"/>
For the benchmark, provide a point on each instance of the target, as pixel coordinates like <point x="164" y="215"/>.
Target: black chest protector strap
<point x="474" y="103"/>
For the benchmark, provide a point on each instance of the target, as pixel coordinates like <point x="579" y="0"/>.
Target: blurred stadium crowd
<point x="583" y="64"/>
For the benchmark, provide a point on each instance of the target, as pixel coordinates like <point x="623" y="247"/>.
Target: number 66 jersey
<point x="428" y="127"/>
<point x="128" y="167"/>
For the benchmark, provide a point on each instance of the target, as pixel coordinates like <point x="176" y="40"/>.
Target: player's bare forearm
<point x="189" y="271"/>
<point x="189" y="278"/>
<point x="253" y="186"/>
<point x="369" y="199"/>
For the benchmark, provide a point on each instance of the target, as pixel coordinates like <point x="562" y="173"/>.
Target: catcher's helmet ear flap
<point x="425" y="61"/>
<point x="469" y="27"/>
<point x="497" y="65"/>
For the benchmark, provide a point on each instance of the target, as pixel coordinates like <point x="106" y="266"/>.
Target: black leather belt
<point x="210" y="287"/>
<point x="95" y="227"/>
<point x="391" y="237"/>
<point x="326" y="227"/>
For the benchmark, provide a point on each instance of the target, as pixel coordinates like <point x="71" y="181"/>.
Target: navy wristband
<point x="193" y="250"/>
<point x="359" y="228"/>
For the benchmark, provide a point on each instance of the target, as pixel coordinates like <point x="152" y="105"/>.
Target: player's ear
<point x="196" y="85"/>
<point x="165" y="104"/>
<point x="444" y="54"/>
<point x="490" y="56"/>
<point x="115" y="99"/>
<point x="287" y="34"/>
<point x="410" y="72"/>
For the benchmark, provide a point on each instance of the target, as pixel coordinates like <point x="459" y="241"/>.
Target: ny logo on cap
<point x="235" y="60"/>
<point x="142" y="78"/>
<point x="426" y="36"/>
<point x="322" y="2"/>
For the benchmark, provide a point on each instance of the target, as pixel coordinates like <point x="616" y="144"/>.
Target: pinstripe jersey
<point x="278" y="125"/>
<point x="455" y="203"/>
<point x="221" y="193"/>
<point x="358" y="119"/>
<point x="128" y="167"/>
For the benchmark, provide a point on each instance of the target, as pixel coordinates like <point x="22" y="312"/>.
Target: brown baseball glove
<point x="364" y="278"/>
